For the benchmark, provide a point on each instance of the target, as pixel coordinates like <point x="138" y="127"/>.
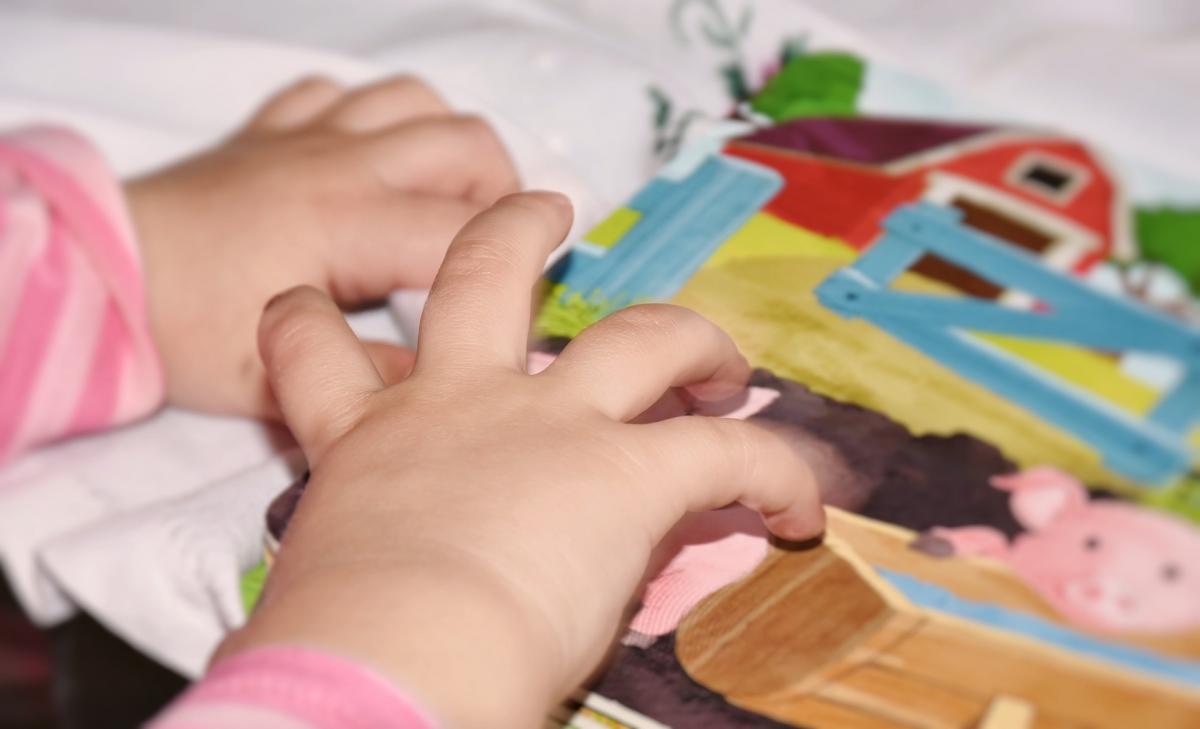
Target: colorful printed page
<point x="995" y="329"/>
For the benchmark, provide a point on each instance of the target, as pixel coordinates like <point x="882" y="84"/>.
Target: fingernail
<point x="718" y="391"/>
<point x="798" y="526"/>
<point x="798" y="545"/>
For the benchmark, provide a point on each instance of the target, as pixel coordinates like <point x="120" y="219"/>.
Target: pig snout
<point x="1104" y="600"/>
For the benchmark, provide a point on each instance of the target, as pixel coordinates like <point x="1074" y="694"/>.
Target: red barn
<point x="1043" y="192"/>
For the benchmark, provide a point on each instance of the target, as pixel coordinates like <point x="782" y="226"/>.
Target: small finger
<point x="295" y="105"/>
<point x="624" y="363"/>
<point x="479" y="307"/>
<point x="319" y="371"/>
<point x="393" y="242"/>
<point x="450" y="155"/>
<point x="708" y="463"/>
<point x="384" y="104"/>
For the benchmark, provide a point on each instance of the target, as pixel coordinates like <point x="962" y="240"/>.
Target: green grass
<point x="1171" y="236"/>
<point x="252" y="585"/>
<point x="567" y="313"/>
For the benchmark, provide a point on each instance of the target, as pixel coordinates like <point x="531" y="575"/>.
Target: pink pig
<point x="1106" y="565"/>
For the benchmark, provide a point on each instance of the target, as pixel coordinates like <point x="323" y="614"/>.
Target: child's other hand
<point x="475" y="532"/>
<point x="355" y="193"/>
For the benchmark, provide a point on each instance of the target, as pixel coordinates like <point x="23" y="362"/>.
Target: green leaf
<point x="818" y="84"/>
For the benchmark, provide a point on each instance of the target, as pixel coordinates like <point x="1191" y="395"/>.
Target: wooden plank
<point x="904" y="698"/>
<point x="1008" y="712"/>
<point x="869" y="649"/>
<point x="790" y="619"/>
<point x="825" y="714"/>
<point x="964" y="656"/>
<point x="1042" y="721"/>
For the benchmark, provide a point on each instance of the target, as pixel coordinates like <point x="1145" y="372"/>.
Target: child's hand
<point x="475" y="532"/>
<point x="355" y="193"/>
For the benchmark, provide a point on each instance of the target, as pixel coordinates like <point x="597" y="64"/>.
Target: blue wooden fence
<point x="1150" y="449"/>
<point x="682" y="223"/>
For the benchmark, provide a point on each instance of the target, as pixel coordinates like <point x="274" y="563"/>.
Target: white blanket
<point x="148" y="527"/>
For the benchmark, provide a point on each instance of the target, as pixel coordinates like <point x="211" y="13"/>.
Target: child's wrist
<point x="154" y="209"/>
<point x="462" y="648"/>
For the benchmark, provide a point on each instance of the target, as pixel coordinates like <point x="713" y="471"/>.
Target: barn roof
<point x="864" y="140"/>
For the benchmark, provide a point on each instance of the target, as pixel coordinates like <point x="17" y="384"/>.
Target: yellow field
<point x="766" y="236"/>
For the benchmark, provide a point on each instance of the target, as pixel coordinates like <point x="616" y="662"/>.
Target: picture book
<point x="1001" y="348"/>
<point x="993" y="329"/>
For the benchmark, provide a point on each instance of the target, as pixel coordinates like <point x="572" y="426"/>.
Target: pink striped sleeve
<point x="76" y="353"/>
<point x="287" y="687"/>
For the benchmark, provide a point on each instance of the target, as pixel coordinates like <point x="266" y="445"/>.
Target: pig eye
<point x="1171" y="572"/>
<point x="1092" y="543"/>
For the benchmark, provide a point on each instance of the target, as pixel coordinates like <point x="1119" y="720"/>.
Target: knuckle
<point x="662" y="320"/>
<point x="403" y="89"/>
<point x="738" y="447"/>
<point x="487" y="248"/>
<point x="478" y="256"/>
<point x="478" y="131"/>
<point x="401" y="83"/>
<point x="630" y="458"/>
<point x="410" y="87"/>
<point x="311" y="83"/>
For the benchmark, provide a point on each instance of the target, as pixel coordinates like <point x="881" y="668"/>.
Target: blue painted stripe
<point x="934" y="597"/>
<point x="682" y="223"/>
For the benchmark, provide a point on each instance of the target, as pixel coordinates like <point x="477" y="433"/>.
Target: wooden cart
<point x="820" y="639"/>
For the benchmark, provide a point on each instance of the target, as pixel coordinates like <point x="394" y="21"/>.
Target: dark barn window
<point x="1044" y="175"/>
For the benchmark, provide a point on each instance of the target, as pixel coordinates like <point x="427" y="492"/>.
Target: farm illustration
<point x="1016" y="543"/>
<point x="998" y="351"/>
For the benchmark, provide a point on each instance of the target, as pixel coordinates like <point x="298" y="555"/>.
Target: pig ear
<point x="1041" y="495"/>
